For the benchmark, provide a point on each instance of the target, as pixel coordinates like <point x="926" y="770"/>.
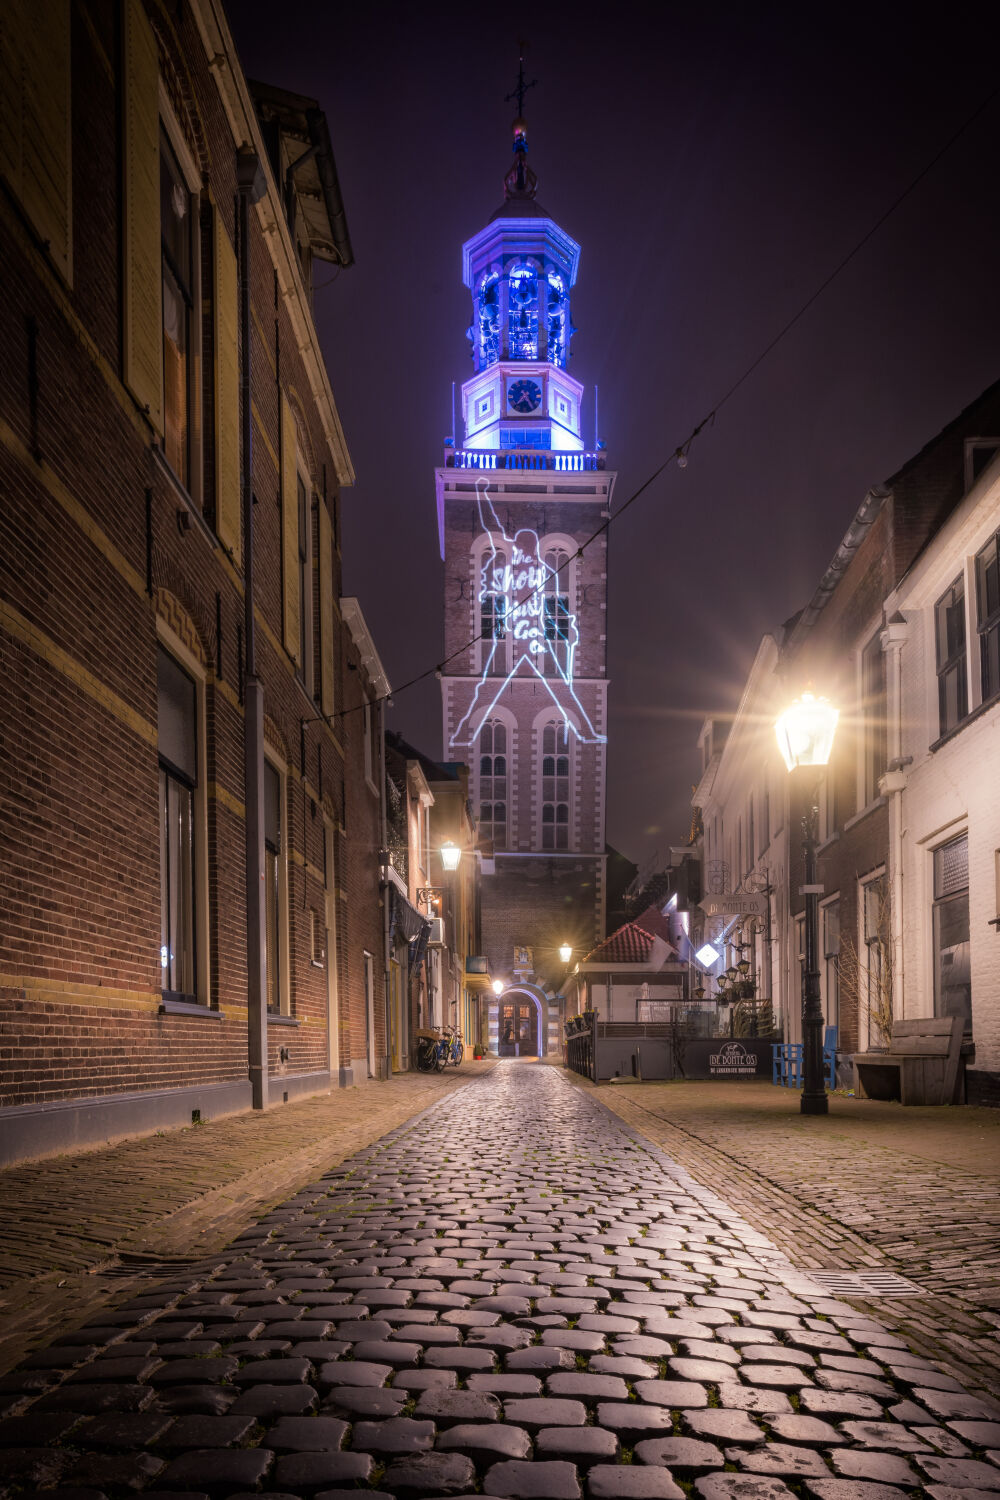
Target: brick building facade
<point x="164" y="444"/>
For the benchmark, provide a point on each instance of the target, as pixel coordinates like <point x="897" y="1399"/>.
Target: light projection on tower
<point x="543" y="641"/>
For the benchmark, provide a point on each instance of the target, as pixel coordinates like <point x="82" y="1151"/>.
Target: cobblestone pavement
<point x="871" y="1186"/>
<point x="73" y="1227"/>
<point x="513" y="1294"/>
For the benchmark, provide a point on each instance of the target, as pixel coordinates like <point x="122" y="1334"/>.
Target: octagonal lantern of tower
<point x="520" y="269"/>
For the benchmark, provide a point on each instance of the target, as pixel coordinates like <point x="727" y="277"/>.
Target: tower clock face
<point x="524" y="396"/>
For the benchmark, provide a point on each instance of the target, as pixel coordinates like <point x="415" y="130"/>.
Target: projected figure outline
<point x="520" y="584"/>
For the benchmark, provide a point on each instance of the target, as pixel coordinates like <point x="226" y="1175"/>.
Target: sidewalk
<point x="871" y="1186"/>
<point x="78" y="1232"/>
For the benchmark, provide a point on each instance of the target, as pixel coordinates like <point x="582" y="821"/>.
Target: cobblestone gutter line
<point x="883" y="1211"/>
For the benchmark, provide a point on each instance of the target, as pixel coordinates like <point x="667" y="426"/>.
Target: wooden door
<point x="518" y="1028"/>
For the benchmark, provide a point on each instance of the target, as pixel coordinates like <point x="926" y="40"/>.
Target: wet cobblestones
<point x="513" y="1295"/>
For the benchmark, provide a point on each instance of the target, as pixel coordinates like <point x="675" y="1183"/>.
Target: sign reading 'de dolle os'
<point x="726" y="904"/>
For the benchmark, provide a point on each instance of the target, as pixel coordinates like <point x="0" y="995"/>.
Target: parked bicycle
<point x="455" y="1046"/>
<point x="430" y="1051"/>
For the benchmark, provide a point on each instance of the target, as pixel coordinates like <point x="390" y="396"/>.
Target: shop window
<point x="177" y="743"/>
<point x="952" y="962"/>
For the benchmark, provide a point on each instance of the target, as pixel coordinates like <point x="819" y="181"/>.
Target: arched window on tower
<point x="493" y="753"/>
<point x="490" y="570"/>
<point x="555" y="318"/>
<point x="522" y="302"/>
<point x="556" y="615"/>
<point x="488" y="313"/>
<point x="555" y="785"/>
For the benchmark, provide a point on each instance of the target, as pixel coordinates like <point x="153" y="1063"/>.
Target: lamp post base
<point x="814" y="1104"/>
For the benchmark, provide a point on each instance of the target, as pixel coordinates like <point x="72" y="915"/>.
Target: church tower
<point x="524" y="684"/>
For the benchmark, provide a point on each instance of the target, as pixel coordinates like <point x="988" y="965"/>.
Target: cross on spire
<point x="522" y="87"/>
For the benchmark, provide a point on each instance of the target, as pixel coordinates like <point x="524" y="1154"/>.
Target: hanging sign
<point x="726" y="904"/>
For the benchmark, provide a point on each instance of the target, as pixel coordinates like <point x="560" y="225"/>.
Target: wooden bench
<point x="920" y="1067"/>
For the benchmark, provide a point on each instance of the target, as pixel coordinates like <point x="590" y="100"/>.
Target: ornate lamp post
<point x="805" y="738"/>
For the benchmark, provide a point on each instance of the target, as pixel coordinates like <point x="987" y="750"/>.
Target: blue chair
<point x="786" y="1061"/>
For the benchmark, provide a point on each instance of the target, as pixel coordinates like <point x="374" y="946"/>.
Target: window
<point x="522" y="299"/>
<point x="556" y="308"/>
<point x="493" y="616"/>
<point x="368" y="735"/>
<point x="873" y="717"/>
<point x="304" y="665"/>
<point x="177" y="741"/>
<point x="555" y="787"/>
<point x="525" y="437"/>
<point x="177" y="259"/>
<point x="273" y="885"/>
<point x="489" y="321"/>
<point x="988" y="616"/>
<point x="949" y="634"/>
<point x="493" y="794"/>
<point x="952" y="964"/>
<point x="876" y="961"/>
<point x="556" y="614"/>
<point x="830" y="917"/>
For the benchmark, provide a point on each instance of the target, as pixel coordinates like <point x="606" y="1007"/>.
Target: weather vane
<point x="522" y="87"/>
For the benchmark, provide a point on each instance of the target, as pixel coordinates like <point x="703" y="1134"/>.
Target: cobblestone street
<point x="511" y="1294"/>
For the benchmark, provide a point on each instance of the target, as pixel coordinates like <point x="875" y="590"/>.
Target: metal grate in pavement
<point x="866" y="1284"/>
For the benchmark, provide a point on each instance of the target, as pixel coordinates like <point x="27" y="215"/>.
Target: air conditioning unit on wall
<point x="436" y="936"/>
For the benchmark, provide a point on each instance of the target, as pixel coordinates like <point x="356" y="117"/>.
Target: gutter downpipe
<point x="383" y="839"/>
<point x="252" y="186"/>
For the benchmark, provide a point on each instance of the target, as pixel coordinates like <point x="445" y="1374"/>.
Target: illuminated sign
<point x="524" y="603"/>
<point x="707" y="956"/>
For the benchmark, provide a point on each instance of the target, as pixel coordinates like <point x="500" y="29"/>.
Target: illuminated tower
<point x="524" y="686"/>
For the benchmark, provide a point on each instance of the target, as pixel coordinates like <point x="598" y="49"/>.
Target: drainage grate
<point x="865" y="1284"/>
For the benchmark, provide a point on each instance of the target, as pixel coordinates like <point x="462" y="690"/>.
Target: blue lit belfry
<point x="524" y="678"/>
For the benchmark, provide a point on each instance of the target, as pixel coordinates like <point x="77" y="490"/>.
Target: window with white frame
<point x="876" y="960"/>
<point x="177" y="744"/>
<point x="952" y="963"/>
<point x="555" y="786"/>
<point x="873" y="714"/>
<point x="988" y="616"/>
<point x="830" y="973"/>
<point x="556" y="607"/>
<point x="949" y="638"/>
<point x="304" y="666"/>
<point x="494" y="750"/>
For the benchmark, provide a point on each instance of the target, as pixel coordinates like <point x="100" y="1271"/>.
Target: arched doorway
<point x="522" y="1022"/>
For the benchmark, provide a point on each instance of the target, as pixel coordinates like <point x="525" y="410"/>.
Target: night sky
<point x="715" y="167"/>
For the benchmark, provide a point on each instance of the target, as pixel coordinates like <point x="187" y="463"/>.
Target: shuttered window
<point x="35" y="154"/>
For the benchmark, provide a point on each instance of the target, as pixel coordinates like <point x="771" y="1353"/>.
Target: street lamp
<point x="498" y="987"/>
<point x="805" y="738"/>
<point x="451" y="854"/>
<point x="566" y="952"/>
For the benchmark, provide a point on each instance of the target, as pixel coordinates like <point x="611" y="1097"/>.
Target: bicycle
<point x="430" y="1051"/>
<point x="454" y="1047"/>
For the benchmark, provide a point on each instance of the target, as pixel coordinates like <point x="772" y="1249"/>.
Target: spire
<point x="520" y="181"/>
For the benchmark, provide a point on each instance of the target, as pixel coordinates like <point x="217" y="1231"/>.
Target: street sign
<point x="726" y="904"/>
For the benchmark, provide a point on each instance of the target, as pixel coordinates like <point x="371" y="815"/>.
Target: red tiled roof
<point x="633" y="943"/>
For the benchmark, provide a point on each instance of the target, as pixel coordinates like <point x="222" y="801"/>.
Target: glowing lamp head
<point x="450" y="855"/>
<point x="565" y="953"/>
<point x="498" y="986"/>
<point x="805" y="731"/>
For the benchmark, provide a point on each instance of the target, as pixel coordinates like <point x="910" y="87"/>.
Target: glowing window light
<point x="522" y="582"/>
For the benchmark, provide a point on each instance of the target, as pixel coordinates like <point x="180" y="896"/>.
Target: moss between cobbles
<point x="713" y="1396"/>
<point x="626" y="1455"/>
